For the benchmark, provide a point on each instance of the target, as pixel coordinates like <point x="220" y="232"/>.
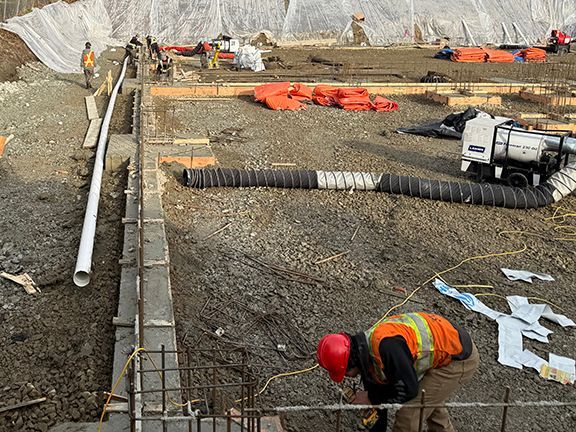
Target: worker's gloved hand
<point x="381" y="423"/>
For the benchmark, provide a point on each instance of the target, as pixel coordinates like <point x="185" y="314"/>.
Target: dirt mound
<point x="14" y="53"/>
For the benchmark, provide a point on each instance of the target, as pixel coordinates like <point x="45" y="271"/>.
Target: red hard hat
<point x="333" y="354"/>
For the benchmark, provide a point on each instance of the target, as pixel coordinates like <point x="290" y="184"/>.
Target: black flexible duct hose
<point x="558" y="186"/>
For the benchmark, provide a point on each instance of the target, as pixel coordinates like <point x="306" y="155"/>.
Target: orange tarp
<point x="533" y="55"/>
<point x="301" y="92"/>
<point x="281" y="96"/>
<point x="282" y="102"/>
<point x="499" y="56"/>
<point x="381" y="104"/>
<point x="273" y="89"/>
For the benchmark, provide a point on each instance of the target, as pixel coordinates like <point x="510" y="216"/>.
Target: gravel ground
<point x="59" y="343"/>
<point x="220" y="281"/>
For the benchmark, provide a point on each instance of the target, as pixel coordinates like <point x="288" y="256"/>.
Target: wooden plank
<point x="247" y="89"/>
<point x="91" y="109"/>
<point x="196" y="141"/>
<point x="92" y="134"/>
<point x="22" y="404"/>
<point x="23" y="280"/>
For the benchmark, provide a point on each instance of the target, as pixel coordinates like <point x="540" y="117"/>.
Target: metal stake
<point x="505" y="410"/>
<point x="422" y="408"/>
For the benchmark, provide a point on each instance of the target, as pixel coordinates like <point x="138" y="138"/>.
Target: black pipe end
<point x="186" y="177"/>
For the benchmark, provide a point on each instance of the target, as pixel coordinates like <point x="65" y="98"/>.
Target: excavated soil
<point x="58" y="343"/>
<point x="228" y="289"/>
<point x="14" y="53"/>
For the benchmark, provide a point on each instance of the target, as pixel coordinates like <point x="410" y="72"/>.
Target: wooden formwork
<point x="549" y="123"/>
<point x="247" y="89"/>
<point x="460" y="99"/>
<point x="548" y="97"/>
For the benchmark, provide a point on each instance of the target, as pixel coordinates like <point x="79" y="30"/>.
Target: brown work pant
<point x="439" y="385"/>
<point x="88" y="75"/>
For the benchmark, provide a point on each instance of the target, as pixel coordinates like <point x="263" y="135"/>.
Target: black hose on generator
<point x="553" y="190"/>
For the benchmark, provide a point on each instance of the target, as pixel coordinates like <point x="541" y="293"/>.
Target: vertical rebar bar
<point x="131" y="396"/>
<point x="163" y="376"/>
<point x="242" y="390"/>
<point x="228" y="422"/>
<point x="188" y="381"/>
<point x="214" y="388"/>
<point x="4" y="14"/>
<point x="421" y="416"/>
<point x="505" y="410"/>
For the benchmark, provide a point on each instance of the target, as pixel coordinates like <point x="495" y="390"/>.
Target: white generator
<point x="227" y="45"/>
<point x="494" y="149"/>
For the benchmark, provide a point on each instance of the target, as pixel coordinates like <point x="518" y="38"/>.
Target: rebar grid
<point x="219" y="389"/>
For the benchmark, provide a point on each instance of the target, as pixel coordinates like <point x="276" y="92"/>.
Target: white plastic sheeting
<point x="56" y="34"/>
<point x="186" y="21"/>
<point x="390" y="21"/>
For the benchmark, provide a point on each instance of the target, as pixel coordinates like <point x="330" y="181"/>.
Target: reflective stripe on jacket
<point x="432" y="341"/>
<point x="88" y="59"/>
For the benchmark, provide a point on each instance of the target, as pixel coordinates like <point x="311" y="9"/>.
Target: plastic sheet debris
<point x="523" y="322"/>
<point x="526" y="276"/>
<point x="451" y="127"/>
<point x="249" y="57"/>
<point x="563" y="364"/>
<point x="468" y="300"/>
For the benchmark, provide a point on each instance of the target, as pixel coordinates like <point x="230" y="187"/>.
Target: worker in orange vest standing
<point x="398" y="358"/>
<point x="88" y="63"/>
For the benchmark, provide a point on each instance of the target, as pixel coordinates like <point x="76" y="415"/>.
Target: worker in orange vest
<point x="88" y="63"/>
<point x="397" y="359"/>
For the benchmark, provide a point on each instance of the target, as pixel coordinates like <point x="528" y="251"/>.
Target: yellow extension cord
<point x="568" y="232"/>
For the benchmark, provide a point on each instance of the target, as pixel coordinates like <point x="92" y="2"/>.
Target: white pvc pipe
<point x="84" y="260"/>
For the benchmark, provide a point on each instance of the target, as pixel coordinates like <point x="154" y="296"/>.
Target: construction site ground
<point x="59" y="343"/>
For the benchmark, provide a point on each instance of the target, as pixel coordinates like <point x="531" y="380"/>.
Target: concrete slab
<point x="92" y="134"/>
<point x="91" y="109"/>
<point x="158" y="296"/>
<point x="151" y="181"/>
<point x="156" y="245"/>
<point x="130" y="248"/>
<point x="123" y="347"/>
<point x="127" y="302"/>
<point x="153" y="207"/>
<point x="154" y="338"/>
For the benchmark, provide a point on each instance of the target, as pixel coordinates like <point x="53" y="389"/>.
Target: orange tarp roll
<point x="301" y="92"/>
<point x="273" y="89"/>
<point x="499" y="56"/>
<point x="533" y="55"/>
<point x="325" y="95"/>
<point x="469" y="55"/>
<point x="283" y="102"/>
<point x="354" y="99"/>
<point x="381" y="104"/>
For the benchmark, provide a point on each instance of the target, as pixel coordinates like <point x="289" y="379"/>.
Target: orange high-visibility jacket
<point x="432" y="340"/>
<point x="88" y="59"/>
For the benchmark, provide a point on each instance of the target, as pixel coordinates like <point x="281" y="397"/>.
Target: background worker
<point x="88" y="63"/>
<point x="153" y="48"/>
<point x="133" y="47"/>
<point x="399" y="357"/>
<point x="164" y="64"/>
